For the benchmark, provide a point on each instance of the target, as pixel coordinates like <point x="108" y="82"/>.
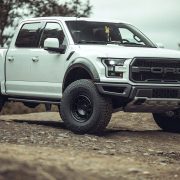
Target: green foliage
<point x="11" y="11"/>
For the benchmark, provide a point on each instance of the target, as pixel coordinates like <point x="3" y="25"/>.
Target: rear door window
<point x="29" y="35"/>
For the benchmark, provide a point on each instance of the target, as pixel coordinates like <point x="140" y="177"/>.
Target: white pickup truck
<point x="90" y="69"/>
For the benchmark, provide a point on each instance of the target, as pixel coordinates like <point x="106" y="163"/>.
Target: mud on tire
<point x="83" y="109"/>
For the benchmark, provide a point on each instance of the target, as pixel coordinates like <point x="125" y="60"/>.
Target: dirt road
<point x="37" y="146"/>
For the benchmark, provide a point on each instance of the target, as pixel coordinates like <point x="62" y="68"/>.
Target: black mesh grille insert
<point x="165" y="93"/>
<point x="155" y="70"/>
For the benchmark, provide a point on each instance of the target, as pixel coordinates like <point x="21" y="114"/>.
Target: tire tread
<point x="104" y="103"/>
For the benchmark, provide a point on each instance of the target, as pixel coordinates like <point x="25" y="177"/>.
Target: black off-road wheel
<point x="168" y="122"/>
<point x="83" y="109"/>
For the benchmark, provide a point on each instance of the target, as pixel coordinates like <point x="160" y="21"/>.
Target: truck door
<point x="19" y="58"/>
<point x="48" y="68"/>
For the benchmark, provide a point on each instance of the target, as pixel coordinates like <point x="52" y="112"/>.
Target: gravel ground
<point x="38" y="146"/>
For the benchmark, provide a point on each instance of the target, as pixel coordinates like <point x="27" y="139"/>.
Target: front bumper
<point x="144" y="98"/>
<point x="122" y="90"/>
<point x="144" y="91"/>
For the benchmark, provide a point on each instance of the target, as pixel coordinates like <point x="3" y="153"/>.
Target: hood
<point x="116" y="51"/>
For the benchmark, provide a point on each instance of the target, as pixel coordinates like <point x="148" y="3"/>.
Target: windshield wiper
<point x="111" y="42"/>
<point x="91" y="42"/>
<point x="133" y="44"/>
<point x="114" y="42"/>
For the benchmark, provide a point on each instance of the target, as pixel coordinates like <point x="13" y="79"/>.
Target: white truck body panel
<point x="44" y="78"/>
<point x="90" y="68"/>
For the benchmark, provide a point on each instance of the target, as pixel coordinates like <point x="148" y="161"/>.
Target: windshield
<point x="88" y="32"/>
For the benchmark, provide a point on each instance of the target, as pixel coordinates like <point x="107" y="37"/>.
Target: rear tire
<point x="83" y="109"/>
<point x="168" y="123"/>
<point x="2" y="102"/>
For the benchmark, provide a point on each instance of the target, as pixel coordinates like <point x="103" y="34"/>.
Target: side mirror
<point x="159" y="45"/>
<point x="52" y="44"/>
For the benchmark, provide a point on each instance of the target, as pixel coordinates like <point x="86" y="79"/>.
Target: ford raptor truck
<point x="90" y="69"/>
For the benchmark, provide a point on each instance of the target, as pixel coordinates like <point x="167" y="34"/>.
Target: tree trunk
<point x="1" y="38"/>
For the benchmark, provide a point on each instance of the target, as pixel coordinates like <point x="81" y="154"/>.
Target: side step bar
<point x="34" y="101"/>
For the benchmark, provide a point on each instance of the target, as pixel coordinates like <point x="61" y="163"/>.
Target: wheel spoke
<point x="82" y="108"/>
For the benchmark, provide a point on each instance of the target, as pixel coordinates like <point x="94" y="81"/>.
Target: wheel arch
<point x="80" y="69"/>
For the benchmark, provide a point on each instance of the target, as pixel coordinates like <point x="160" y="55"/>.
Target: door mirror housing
<point x="52" y="44"/>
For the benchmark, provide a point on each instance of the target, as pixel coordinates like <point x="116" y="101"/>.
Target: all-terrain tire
<point x="83" y="109"/>
<point x="2" y="102"/>
<point x="167" y="123"/>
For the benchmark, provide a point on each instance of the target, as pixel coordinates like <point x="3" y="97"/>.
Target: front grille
<point x="165" y="93"/>
<point x="155" y="70"/>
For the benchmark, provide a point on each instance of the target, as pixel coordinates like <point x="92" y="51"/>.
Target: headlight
<point x="114" y="62"/>
<point x="112" y="67"/>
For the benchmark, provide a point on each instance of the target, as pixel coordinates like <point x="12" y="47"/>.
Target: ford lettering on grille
<point x="155" y="70"/>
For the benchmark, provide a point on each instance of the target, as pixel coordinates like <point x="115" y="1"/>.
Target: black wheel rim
<point x="81" y="108"/>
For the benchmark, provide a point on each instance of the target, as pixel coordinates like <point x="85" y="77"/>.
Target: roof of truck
<point x="74" y="19"/>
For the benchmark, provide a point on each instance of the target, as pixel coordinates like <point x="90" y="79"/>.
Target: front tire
<point x="83" y="109"/>
<point x="168" y="123"/>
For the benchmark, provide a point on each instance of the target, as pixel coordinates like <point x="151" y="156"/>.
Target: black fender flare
<point x="84" y="64"/>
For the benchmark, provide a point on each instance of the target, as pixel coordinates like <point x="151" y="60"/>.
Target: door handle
<point x="35" y="59"/>
<point x="10" y="59"/>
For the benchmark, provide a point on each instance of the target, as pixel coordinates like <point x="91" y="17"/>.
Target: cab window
<point x="53" y="30"/>
<point x="129" y="37"/>
<point x="29" y="36"/>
